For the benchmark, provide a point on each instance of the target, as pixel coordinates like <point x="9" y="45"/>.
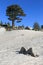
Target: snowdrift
<point x="12" y="41"/>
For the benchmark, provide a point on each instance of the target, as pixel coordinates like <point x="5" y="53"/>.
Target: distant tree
<point x="41" y="26"/>
<point x="8" y="24"/>
<point x="36" y="26"/>
<point x="27" y="28"/>
<point x="1" y="23"/>
<point x="14" y="12"/>
<point x="8" y="27"/>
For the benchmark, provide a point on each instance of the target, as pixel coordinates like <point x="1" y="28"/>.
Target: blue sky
<point x="32" y="8"/>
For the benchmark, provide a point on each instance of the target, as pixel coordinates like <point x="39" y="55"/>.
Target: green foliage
<point x="36" y="26"/>
<point x="14" y="12"/>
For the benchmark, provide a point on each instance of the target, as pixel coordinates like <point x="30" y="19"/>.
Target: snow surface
<point x="2" y="30"/>
<point x="12" y="41"/>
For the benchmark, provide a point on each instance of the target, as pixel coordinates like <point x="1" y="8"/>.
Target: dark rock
<point x="30" y="52"/>
<point x="22" y="50"/>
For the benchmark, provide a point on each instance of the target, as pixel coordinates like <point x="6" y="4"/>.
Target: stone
<point x="30" y="52"/>
<point x="22" y="50"/>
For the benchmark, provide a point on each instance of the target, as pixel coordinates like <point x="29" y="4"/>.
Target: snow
<point x="12" y="41"/>
<point x="2" y="30"/>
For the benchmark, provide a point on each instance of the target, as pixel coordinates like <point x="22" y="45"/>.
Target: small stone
<point x="22" y="50"/>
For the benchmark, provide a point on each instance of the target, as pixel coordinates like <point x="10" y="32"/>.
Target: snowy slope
<point x="12" y="41"/>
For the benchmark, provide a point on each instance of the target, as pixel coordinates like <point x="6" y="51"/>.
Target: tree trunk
<point x="13" y="24"/>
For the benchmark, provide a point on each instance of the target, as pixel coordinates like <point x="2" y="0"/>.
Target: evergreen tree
<point x="36" y="26"/>
<point x="14" y="12"/>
